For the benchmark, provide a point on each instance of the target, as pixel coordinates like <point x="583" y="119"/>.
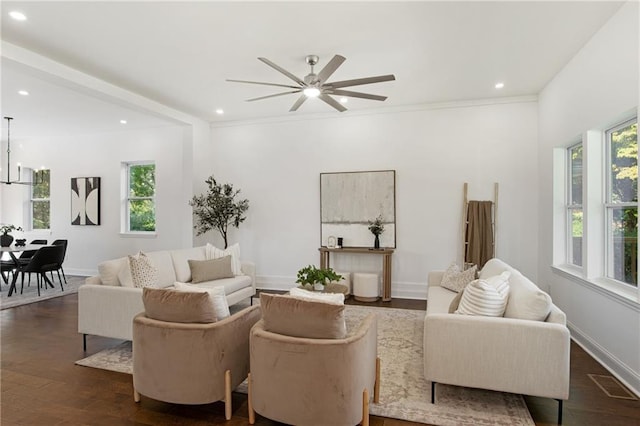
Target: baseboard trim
<point x="617" y="368"/>
<point x="80" y="272"/>
<point x="400" y="290"/>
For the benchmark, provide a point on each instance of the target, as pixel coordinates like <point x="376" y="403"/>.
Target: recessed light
<point x="23" y="92"/>
<point x="18" y="16"/>
<point x="219" y="111"/>
<point x="344" y="100"/>
<point x="499" y="85"/>
<point x="123" y="121"/>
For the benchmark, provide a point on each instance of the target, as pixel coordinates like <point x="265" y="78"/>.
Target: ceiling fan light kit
<point x="316" y="85"/>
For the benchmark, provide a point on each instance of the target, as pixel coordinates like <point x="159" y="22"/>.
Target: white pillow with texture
<point x="527" y="301"/>
<point x="486" y="297"/>
<point x="216" y="294"/>
<point x="143" y="272"/>
<point x="456" y="280"/>
<point x="234" y="251"/>
<point x="333" y="298"/>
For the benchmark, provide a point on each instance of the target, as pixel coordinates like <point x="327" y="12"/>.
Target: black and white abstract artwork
<point x="85" y="201"/>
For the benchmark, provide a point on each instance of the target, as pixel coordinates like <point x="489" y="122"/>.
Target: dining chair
<point x="63" y="243"/>
<point x="45" y="260"/>
<point x="26" y="255"/>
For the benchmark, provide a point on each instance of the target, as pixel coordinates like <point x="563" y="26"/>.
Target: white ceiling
<point x="180" y="53"/>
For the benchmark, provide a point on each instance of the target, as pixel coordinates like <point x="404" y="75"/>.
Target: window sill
<point x="629" y="296"/>
<point x="138" y="235"/>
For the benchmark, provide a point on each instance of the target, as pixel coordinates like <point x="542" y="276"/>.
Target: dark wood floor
<point x="42" y="386"/>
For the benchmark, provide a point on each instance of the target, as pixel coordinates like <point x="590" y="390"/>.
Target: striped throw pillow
<point x="485" y="297"/>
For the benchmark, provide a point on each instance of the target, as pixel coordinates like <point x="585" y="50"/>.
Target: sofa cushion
<point x="208" y="270"/>
<point x="143" y="271"/>
<point x="302" y="318"/>
<point x="109" y="270"/>
<point x="485" y="297"/>
<point x="180" y="261"/>
<point x="453" y="306"/>
<point x="526" y="300"/>
<point x="335" y="298"/>
<point x="231" y="285"/>
<point x="234" y="250"/>
<point x="163" y="262"/>
<point x="178" y="306"/>
<point x="494" y="267"/>
<point x="216" y="294"/>
<point x="455" y="280"/>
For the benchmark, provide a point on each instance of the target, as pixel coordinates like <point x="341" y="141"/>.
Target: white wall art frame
<point x="349" y="200"/>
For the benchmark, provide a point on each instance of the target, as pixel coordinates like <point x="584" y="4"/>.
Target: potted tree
<point x="218" y="208"/>
<point x="6" y="238"/>
<point x="314" y="278"/>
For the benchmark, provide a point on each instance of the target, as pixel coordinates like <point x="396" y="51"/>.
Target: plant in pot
<point x="6" y="238"/>
<point x="312" y="278"/>
<point x="376" y="227"/>
<point x="218" y="208"/>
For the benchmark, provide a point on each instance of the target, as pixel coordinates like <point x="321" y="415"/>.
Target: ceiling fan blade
<point x="328" y="99"/>
<point x="265" y="84"/>
<point x="360" y="81"/>
<point x="330" y="68"/>
<point x="273" y="96"/>
<point x="299" y="102"/>
<point x="351" y="94"/>
<point x="282" y="70"/>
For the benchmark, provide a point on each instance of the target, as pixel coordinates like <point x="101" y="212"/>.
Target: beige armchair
<point x="304" y="381"/>
<point x="191" y="363"/>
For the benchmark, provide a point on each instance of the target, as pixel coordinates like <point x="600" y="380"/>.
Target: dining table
<point x="14" y="252"/>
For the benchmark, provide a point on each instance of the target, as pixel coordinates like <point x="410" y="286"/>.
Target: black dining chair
<point x="63" y="243"/>
<point x="26" y="255"/>
<point x="45" y="260"/>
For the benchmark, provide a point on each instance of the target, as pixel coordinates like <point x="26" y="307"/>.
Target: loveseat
<point x="108" y="302"/>
<point x="523" y="356"/>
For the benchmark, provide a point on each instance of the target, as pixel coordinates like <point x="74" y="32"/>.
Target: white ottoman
<point x="365" y="287"/>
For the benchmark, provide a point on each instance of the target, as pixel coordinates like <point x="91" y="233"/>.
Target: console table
<point x="386" y="253"/>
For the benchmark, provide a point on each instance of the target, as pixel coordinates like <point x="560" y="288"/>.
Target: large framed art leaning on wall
<point x="349" y="200"/>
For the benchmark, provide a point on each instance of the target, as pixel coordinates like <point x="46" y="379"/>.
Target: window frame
<point x="33" y="200"/>
<point x="610" y="206"/>
<point x="127" y="199"/>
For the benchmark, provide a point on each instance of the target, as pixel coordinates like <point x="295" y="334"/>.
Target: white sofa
<point x="107" y="308"/>
<point x="521" y="356"/>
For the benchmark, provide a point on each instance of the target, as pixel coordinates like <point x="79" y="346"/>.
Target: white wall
<point x="277" y="166"/>
<point x="598" y="87"/>
<point x="101" y="155"/>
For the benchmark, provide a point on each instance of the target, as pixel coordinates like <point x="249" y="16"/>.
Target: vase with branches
<point x="6" y="238"/>
<point x="376" y="227"/>
<point x="218" y="208"/>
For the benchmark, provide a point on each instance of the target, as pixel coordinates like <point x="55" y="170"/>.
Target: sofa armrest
<point x="249" y="268"/>
<point x="503" y="354"/>
<point x="93" y="280"/>
<point x="434" y="278"/>
<point x="108" y="310"/>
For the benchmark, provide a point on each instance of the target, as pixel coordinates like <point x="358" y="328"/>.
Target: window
<point x="622" y="202"/>
<point x="140" y="200"/>
<point x="40" y="192"/>
<point x="574" y="206"/>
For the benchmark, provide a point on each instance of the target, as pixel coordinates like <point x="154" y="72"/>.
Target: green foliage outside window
<point x="142" y="188"/>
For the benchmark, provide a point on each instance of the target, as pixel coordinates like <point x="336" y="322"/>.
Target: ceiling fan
<point x="316" y="85"/>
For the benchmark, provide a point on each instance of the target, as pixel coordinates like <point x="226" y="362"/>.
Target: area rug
<point x="30" y="293"/>
<point x="404" y="393"/>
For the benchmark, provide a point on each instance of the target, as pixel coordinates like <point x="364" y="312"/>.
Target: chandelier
<point x="17" y="182"/>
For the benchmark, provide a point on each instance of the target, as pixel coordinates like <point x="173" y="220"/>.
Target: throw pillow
<point x="233" y="251"/>
<point x="216" y="294"/>
<point x="455" y="280"/>
<point x="295" y="317"/>
<point x="208" y="270"/>
<point x="527" y="301"/>
<point x="453" y="306"/>
<point x="300" y="293"/>
<point x="143" y="272"/>
<point x="176" y="306"/>
<point x="485" y="297"/>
